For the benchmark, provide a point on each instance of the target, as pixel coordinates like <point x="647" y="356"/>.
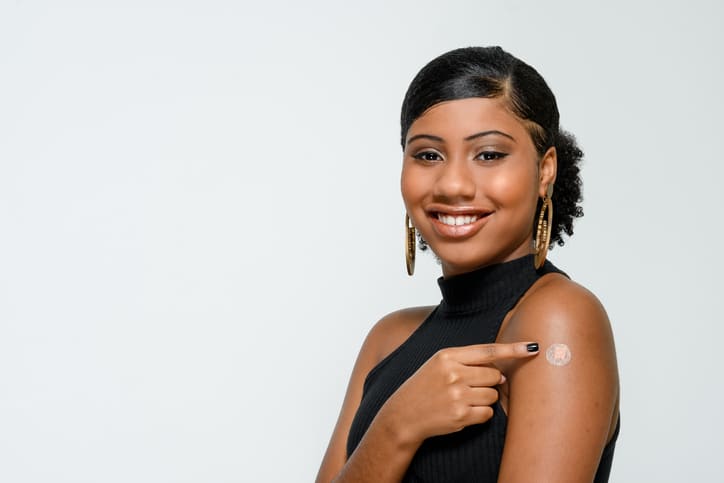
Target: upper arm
<point x="382" y="339"/>
<point x="559" y="417"/>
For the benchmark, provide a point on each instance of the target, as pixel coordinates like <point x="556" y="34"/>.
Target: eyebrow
<point x="488" y="133"/>
<point x="469" y="138"/>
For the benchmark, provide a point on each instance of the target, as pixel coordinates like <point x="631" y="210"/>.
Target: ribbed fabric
<point x="471" y="312"/>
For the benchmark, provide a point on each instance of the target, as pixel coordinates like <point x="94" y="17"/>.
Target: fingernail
<point x="502" y="379"/>
<point x="532" y="347"/>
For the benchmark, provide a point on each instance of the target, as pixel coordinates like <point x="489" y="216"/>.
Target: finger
<point x="473" y="355"/>
<point x="482" y="396"/>
<point x="480" y="376"/>
<point x="479" y="414"/>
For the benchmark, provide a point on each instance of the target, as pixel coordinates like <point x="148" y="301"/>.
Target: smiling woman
<point x="490" y="176"/>
<point x="458" y="392"/>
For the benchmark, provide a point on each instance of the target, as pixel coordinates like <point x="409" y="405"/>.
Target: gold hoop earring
<point x="410" y="245"/>
<point x="543" y="232"/>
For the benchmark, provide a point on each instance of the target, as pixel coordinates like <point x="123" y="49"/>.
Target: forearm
<point x="383" y="455"/>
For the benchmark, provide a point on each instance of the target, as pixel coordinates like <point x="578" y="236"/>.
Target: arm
<point x="379" y="457"/>
<point x="559" y="417"/>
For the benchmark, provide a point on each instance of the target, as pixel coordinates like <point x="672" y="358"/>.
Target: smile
<point x="456" y="220"/>
<point x="458" y="226"/>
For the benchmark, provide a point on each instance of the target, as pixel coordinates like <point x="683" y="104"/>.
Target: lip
<point x="458" y="232"/>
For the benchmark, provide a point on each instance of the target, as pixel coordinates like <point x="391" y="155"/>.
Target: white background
<point x="200" y="219"/>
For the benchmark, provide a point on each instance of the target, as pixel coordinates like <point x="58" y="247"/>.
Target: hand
<point x="453" y="389"/>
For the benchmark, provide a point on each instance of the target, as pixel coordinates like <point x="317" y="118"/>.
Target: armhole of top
<point x="385" y="360"/>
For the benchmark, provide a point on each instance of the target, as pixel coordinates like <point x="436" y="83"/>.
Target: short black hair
<point x="492" y="72"/>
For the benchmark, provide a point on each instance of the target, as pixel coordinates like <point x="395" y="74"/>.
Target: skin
<point x="559" y="417"/>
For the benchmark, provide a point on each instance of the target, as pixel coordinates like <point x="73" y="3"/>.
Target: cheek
<point x="411" y="184"/>
<point x="511" y="187"/>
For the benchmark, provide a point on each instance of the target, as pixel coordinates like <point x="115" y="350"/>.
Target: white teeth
<point x="456" y="220"/>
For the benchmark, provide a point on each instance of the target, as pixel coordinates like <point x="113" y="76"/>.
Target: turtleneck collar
<point x="488" y="286"/>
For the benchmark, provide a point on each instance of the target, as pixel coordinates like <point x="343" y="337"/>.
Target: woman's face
<point x="471" y="178"/>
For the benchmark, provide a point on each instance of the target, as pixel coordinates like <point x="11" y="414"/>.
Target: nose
<point x="455" y="182"/>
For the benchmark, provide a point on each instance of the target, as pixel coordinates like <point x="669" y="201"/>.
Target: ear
<point x="547" y="169"/>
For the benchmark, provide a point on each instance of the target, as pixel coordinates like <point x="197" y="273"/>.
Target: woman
<point x="513" y="376"/>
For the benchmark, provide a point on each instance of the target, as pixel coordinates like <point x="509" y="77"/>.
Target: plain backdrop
<point x="200" y="220"/>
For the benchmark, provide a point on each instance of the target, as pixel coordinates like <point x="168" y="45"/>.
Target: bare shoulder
<point x="556" y="312"/>
<point x="559" y="313"/>
<point x="393" y="329"/>
<point x="556" y="306"/>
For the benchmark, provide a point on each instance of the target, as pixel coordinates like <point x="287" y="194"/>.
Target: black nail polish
<point x="532" y="347"/>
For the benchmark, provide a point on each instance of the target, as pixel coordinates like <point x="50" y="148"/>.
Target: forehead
<point x="463" y="117"/>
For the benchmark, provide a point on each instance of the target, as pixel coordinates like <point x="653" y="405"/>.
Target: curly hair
<point x="492" y="72"/>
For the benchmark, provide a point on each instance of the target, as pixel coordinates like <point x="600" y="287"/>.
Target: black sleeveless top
<point x="471" y="312"/>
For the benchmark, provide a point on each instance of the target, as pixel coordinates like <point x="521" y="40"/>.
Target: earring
<point x="543" y="232"/>
<point x="410" y="245"/>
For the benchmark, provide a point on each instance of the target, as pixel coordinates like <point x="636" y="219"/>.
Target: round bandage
<point x="558" y="354"/>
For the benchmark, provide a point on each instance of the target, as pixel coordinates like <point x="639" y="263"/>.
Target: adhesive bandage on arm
<point x="558" y="355"/>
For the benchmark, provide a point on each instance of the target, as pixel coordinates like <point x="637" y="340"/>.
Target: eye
<point x="490" y="155"/>
<point x="428" y="156"/>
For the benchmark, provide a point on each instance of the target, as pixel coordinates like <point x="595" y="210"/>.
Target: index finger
<point x="479" y="354"/>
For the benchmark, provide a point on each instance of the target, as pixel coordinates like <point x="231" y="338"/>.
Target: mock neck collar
<point x="488" y="286"/>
